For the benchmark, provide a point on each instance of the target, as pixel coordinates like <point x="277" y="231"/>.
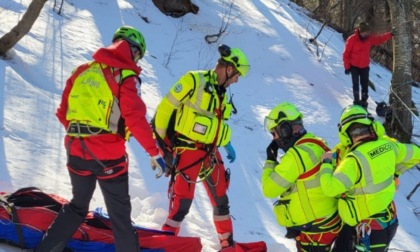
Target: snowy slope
<point x="284" y="67"/>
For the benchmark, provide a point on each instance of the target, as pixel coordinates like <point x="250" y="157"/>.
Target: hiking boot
<point x="169" y="228"/>
<point x="364" y="104"/>
<point x="357" y="102"/>
<point x="227" y="243"/>
<point x="292" y="233"/>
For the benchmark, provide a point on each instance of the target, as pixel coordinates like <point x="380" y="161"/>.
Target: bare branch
<point x="226" y="20"/>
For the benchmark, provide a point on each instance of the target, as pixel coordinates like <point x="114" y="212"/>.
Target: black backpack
<point x="382" y="109"/>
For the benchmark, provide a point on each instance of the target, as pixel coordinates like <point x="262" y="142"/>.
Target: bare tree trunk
<point x="22" y="28"/>
<point x="327" y="18"/>
<point x="400" y="126"/>
<point x="299" y="2"/>
<point x="321" y="9"/>
<point x="370" y="12"/>
<point x="347" y="18"/>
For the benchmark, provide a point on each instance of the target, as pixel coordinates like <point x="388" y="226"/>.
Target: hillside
<point x="284" y="67"/>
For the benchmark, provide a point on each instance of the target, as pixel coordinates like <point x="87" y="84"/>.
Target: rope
<point x="405" y="105"/>
<point x="401" y="84"/>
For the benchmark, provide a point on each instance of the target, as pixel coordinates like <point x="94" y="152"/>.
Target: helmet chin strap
<point x="227" y="77"/>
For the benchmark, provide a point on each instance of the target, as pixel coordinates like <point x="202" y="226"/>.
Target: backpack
<point x="383" y="110"/>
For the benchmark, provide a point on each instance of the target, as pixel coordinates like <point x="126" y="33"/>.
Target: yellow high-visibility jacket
<point x="365" y="177"/>
<point x="295" y="180"/>
<point x="201" y="111"/>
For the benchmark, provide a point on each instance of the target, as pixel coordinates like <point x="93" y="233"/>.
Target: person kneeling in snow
<point x="309" y="215"/>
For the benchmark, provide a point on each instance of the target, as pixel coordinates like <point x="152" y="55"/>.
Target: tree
<point x="401" y="126"/>
<point x="347" y="16"/>
<point x="11" y="38"/>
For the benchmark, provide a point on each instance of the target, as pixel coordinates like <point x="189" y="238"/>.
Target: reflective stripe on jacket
<point x="200" y="111"/>
<point x="132" y="108"/>
<point x="301" y="199"/>
<point x="365" y="177"/>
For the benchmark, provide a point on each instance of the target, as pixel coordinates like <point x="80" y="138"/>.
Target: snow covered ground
<point x="284" y="67"/>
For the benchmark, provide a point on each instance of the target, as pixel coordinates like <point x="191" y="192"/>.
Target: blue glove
<point x="158" y="163"/>
<point x="231" y="155"/>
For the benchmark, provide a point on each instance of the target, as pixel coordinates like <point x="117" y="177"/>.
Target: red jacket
<point x="133" y="110"/>
<point x="357" y="52"/>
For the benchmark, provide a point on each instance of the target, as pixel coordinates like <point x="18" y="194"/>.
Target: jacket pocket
<point x="202" y="129"/>
<point x="282" y="213"/>
<point x="223" y="137"/>
<point x="347" y="210"/>
<point x="227" y="111"/>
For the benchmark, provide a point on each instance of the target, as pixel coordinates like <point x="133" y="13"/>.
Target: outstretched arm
<point x="379" y="39"/>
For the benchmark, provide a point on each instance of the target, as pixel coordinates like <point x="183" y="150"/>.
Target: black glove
<point x="292" y="233"/>
<point x="347" y="71"/>
<point x="394" y="31"/>
<point x="272" y="150"/>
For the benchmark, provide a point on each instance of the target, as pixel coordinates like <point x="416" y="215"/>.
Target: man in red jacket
<point x="100" y="107"/>
<point x="356" y="58"/>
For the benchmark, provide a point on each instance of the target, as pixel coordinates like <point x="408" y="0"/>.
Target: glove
<point x="394" y="31"/>
<point x="231" y="155"/>
<point x="347" y="71"/>
<point x="272" y="150"/>
<point x="158" y="163"/>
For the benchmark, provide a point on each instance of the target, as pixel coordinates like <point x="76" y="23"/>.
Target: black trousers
<point x="117" y="201"/>
<point x="345" y="239"/>
<point x="379" y="239"/>
<point x="360" y="76"/>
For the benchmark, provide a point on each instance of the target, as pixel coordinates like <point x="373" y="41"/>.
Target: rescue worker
<point x="199" y="108"/>
<point x="347" y="236"/>
<point x="364" y="179"/>
<point x="356" y="59"/>
<point x="100" y="106"/>
<point x="310" y="217"/>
